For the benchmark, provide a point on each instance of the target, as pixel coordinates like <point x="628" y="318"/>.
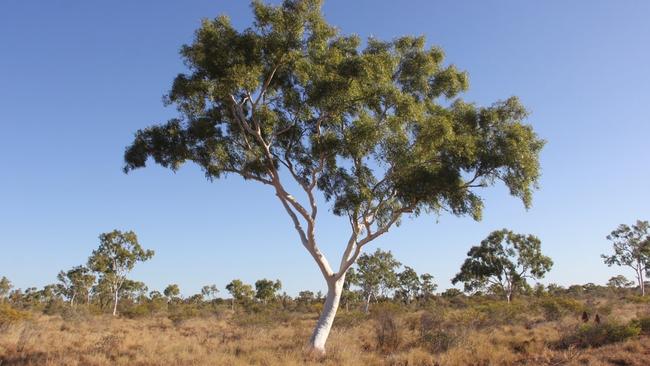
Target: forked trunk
<point x="324" y="325"/>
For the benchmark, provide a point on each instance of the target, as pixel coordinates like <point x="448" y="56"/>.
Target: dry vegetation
<point x="535" y="331"/>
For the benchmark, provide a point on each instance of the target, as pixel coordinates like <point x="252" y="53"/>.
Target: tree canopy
<point x="377" y="127"/>
<point x="631" y="246"/>
<point x="504" y="259"/>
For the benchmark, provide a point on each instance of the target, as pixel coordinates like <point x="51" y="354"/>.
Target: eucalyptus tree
<point x="503" y="260"/>
<point x="409" y="285"/>
<point x="116" y="256"/>
<point x="632" y="249"/>
<point x="376" y="127"/>
<point x="209" y="291"/>
<point x="427" y="286"/>
<point x="5" y="287"/>
<point x="77" y="281"/>
<point x="376" y="274"/>
<point x="240" y="292"/>
<point x="171" y="292"/>
<point x="266" y="290"/>
<point x="619" y="282"/>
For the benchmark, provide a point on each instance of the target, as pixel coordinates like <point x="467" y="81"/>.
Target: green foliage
<point x="596" y="335"/>
<point x="632" y="249"/>
<point x="265" y="290"/>
<point x="5" y="287"/>
<point x="378" y="129"/>
<point x="172" y="291"/>
<point x="75" y="283"/>
<point x="503" y="261"/>
<point x="9" y="315"/>
<point x="375" y="274"/>
<point x="241" y="292"/>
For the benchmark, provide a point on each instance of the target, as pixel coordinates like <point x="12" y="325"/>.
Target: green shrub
<point x="554" y="308"/>
<point x="348" y="319"/>
<point x="596" y="335"/>
<point x="433" y="336"/>
<point x="644" y="324"/>
<point x="9" y="315"/>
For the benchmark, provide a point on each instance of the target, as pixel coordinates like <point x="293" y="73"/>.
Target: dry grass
<point x="407" y="339"/>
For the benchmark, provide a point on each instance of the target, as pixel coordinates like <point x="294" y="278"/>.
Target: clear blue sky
<point x="78" y="78"/>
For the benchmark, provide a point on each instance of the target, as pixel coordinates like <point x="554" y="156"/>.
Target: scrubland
<point x="534" y="330"/>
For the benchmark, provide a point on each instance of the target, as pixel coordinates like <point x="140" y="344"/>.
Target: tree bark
<point x="326" y="319"/>
<point x="115" y="304"/>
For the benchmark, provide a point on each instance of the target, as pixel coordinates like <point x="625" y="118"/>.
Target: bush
<point x="9" y="315"/>
<point x="644" y="324"/>
<point x="556" y="307"/>
<point x="433" y="336"/>
<point x="596" y="335"/>
<point x="349" y="319"/>
<point x="387" y="333"/>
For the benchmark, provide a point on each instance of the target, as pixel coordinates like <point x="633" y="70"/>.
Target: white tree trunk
<point x="324" y="325"/>
<point x="115" y="304"/>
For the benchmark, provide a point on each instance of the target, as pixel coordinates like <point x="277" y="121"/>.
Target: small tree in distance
<point x="503" y="260"/>
<point x="76" y="282"/>
<point x="209" y="291"/>
<point x="116" y="256"/>
<point x="5" y="287"/>
<point x="375" y="126"/>
<point x="171" y="292"/>
<point x="265" y="290"/>
<point x="631" y="249"/>
<point x="240" y="292"/>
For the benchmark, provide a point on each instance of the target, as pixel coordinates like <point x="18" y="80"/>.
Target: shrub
<point x="596" y="335"/>
<point x="644" y="324"/>
<point x="387" y="333"/>
<point x="349" y="319"/>
<point x="9" y="315"/>
<point x="555" y="308"/>
<point x="433" y="336"/>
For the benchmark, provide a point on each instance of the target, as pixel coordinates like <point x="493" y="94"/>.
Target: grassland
<point x="467" y="331"/>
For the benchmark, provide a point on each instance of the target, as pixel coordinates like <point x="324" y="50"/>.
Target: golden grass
<point x="103" y="340"/>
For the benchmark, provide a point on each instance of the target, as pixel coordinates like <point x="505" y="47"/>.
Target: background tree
<point x="632" y="249"/>
<point x="503" y="260"/>
<point x="5" y="287"/>
<point x="209" y="291"/>
<point x="291" y="99"/>
<point x="427" y="287"/>
<point x="171" y="292"/>
<point x="76" y="282"/>
<point x="116" y="256"/>
<point x="240" y="292"/>
<point x="376" y="274"/>
<point x="409" y="285"/>
<point x="619" y="282"/>
<point x="265" y="290"/>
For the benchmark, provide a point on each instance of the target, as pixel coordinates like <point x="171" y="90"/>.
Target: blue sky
<point x="78" y="78"/>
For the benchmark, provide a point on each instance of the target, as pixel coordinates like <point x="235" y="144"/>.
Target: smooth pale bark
<point x="326" y="319"/>
<point x="115" y="304"/>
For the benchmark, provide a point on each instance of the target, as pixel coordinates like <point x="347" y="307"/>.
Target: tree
<point x="78" y="281"/>
<point x="116" y="256"/>
<point x="5" y="287"/>
<point x="209" y="291"/>
<point x="619" y="282"/>
<point x="428" y="287"/>
<point x="503" y="260"/>
<point x="171" y="292"/>
<point x="376" y="274"/>
<point x="631" y="249"/>
<point x="265" y="290"/>
<point x="409" y="285"/>
<point x="240" y="292"/>
<point x="378" y="130"/>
